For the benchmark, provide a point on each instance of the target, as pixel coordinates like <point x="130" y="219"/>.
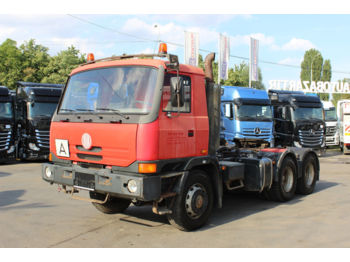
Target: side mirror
<point x="177" y="88"/>
<point x="32" y="104"/>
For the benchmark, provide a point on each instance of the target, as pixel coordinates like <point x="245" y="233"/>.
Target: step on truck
<point x="7" y="125"/>
<point x="144" y="129"/>
<point x="247" y="119"/>
<point x="35" y="105"/>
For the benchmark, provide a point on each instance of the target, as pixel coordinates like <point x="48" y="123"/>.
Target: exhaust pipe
<point x="208" y="67"/>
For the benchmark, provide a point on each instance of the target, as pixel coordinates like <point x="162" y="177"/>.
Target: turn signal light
<point x="90" y="57"/>
<point x="147" y="168"/>
<point x="163" y="48"/>
<point x="204" y="151"/>
<point x="50" y="157"/>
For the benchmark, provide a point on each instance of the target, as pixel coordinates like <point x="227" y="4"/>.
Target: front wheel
<point x="193" y="206"/>
<point x="306" y="183"/>
<point x="112" y="206"/>
<point x="284" y="189"/>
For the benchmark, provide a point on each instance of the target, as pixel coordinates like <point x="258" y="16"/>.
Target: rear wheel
<point x="306" y="183"/>
<point x="193" y="206"/>
<point x="284" y="189"/>
<point x="112" y="206"/>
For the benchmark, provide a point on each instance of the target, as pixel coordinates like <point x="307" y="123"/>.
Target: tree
<point x="237" y="76"/>
<point x="35" y="59"/>
<point x="10" y="63"/>
<point x="311" y="66"/>
<point x="60" y="66"/>
<point x="313" y="60"/>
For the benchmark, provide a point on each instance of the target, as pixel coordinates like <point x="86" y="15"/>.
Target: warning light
<point x="163" y="48"/>
<point x="90" y="57"/>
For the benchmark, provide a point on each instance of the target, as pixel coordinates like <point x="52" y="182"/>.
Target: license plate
<point x="84" y="180"/>
<point x="62" y="148"/>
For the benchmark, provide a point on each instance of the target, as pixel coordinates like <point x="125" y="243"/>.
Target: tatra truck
<point x="247" y="118"/>
<point x="142" y="129"/>
<point x="7" y="125"/>
<point x="343" y="112"/>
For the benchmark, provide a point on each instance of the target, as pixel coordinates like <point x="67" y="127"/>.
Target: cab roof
<point x="156" y="63"/>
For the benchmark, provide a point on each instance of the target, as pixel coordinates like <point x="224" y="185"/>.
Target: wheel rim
<point x="287" y="179"/>
<point x="196" y="201"/>
<point x="309" y="174"/>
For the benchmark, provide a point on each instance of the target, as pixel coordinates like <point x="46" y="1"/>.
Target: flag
<point x="191" y="48"/>
<point x="224" y="56"/>
<point x="253" y="65"/>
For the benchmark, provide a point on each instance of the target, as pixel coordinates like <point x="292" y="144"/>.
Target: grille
<point x="5" y="138"/>
<point x="264" y="132"/>
<point x="331" y="130"/>
<point x="43" y="138"/>
<point x="309" y="139"/>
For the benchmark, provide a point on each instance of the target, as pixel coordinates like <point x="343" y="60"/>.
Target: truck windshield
<point x="126" y="90"/>
<point x="254" y="113"/>
<point x="41" y="109"/>
<point x="306" y="113"/>
<point x="330" y="114"/>
<point x="6" y="110"/>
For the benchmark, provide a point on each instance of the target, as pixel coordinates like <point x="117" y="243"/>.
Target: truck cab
<point x="7" y="125"/>
<point x="298" y="119"/>
<point x="343" y="113"/>
<point x="35" y="105"/>
<point x="331" y="120"/>
<point x="246" y="117"/>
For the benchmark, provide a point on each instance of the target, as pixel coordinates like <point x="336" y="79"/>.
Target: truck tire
<point x="112" y="206"/>
<point x="306" y="183"/>
<point x="284" y="189"/>
<point x="193" y="206"/>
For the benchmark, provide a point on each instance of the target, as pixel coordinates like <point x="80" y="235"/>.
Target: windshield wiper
<point x="247" y="118"/>
<point x="67" y="109"/>
<point x="114" y="111"/>
<point x="42" y="116"/>
<point x="84" y="110"/>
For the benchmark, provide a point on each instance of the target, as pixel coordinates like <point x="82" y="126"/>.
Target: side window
<point x="228" y="110"/>
<point x="288" y="116"/>
<point x="166" y="96"/>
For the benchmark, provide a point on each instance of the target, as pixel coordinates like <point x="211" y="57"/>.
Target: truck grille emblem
<point x="257" y="131"/>
<point x="86" y="141"/>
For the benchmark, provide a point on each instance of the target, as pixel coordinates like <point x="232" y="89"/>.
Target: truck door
<point x="177" y="131"/>
<point x="283" y="126"/>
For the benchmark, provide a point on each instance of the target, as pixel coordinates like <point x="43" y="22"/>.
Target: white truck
<point x="331" y="120"/>
<point x="343" y="112"/>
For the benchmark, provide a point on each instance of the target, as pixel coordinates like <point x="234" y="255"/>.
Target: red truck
<point x="144" y="129"/>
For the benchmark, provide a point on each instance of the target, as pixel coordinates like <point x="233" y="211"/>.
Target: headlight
<point x="297" y="144"/>
<point x="48" y="172"/>
<point x="33" y="146"/>
<point x="12" y="148"/>
<point x="132" y="186"/>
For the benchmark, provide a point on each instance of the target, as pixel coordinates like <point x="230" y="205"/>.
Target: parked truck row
<point x="144" y="129"/>
<point x="25" y="117"/>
